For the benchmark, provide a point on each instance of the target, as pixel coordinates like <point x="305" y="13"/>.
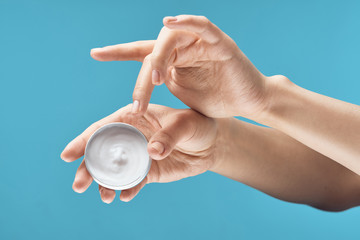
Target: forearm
<point x="327" y="125"/>
<point x="280" y="166"/>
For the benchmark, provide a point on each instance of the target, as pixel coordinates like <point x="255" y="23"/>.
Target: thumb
<point x="177" y="129"/>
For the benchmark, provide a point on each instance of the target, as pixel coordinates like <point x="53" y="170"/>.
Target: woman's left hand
<point x="181" y="143"/>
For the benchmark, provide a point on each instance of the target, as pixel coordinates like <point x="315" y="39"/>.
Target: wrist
<point x="222" y="144"/>
<point x="277" y="92"/>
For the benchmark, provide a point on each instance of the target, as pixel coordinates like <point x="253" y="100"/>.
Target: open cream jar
<point x="116" y="156"/>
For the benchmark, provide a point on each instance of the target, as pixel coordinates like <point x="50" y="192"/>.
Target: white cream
<point x="116" y="156"/>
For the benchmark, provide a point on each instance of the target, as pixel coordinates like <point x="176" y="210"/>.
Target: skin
<point x="273" y="162"/>
<point x="182" y="141"/>
<point x="244" y="152"/>
<point x="327" y="125"/>
<point x="201" y="67"/>
<point x="204" y="68"/>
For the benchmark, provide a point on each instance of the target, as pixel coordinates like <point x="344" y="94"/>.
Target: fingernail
<point x="63" y="157"/>
<point x="68" y="146"/>
<point x="95" y="49"/>
<point x="64" y="151"/>
<point x="135" y="106"/>
<point x="155" y="77"/>
<point x="170" y="19"/>
<point x="77" y="188"/>
<point x="125" y="200"/>
<point x="159" y="147"/>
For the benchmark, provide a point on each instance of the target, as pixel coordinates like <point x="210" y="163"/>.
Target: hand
<point x="181" y="143"/>
<point x="200" y="65"/>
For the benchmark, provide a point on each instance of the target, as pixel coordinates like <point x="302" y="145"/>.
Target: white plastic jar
<point x="116" y="156"/>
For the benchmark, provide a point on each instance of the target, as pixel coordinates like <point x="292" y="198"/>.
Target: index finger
<point x="133" y="51"/>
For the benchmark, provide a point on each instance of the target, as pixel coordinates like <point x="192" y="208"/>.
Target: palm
<point x="189" y="158"/>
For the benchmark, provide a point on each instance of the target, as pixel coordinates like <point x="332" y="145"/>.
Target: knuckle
<point x="147" y="58"/>
<point x="127" y="108"/>
<point x="154" y="57"/>
<point x="185" y="115"/>
<point x="143" y="99"/>
<point x="95" y="125"/>
<point x="128" y="117"/>
<point x="138" y="93"/>
<point x="180" y="117"/>
<point x="120" y="113"/>
<point x="92" y="128"/>
<point x="168" y="140"/>
<point x="204" y="20"/>
<point x="205" y="23"/>
<point x="158" y="60"/>
<point x="182" y="120"/>
<point x="165" y="30"/>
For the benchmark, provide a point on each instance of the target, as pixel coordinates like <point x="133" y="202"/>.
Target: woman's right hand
<point x="200" y="65"/>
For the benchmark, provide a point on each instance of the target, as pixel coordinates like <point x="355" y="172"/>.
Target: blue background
<point x="51" y="90"/>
